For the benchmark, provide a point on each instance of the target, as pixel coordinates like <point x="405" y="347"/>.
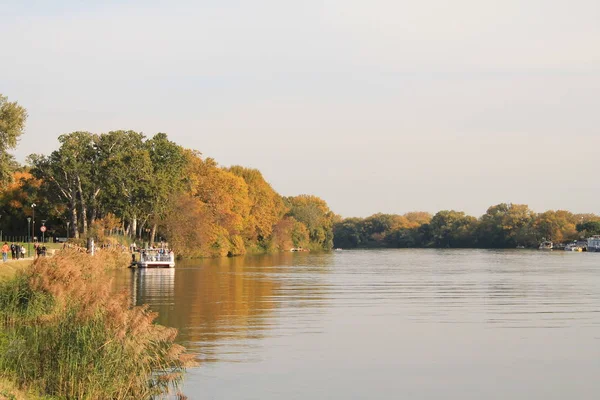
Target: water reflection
<point x="224" y="307"/>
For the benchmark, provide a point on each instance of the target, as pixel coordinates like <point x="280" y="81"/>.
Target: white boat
<point x="298" y="249"/>
<point x="573" y="247"/>
<point x="546" y="245"/>
<point x="156" y="258"/>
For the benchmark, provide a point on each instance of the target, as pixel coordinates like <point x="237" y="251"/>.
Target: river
<point x="384" y="324"/>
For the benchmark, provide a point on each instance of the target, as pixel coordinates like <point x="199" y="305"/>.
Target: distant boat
<point x="520" y="247"/>
<point x="573" y="247"/>
<point x="338" y="249"/>
<point x="546" y="245"/>
<point x="593" y="243"/>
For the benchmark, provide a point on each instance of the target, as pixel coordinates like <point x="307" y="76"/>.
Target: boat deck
<point x="155" y="259"/>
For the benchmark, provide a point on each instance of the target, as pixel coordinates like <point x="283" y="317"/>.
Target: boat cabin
<point x="156" y="258"/>
<point x="593" y="243"/>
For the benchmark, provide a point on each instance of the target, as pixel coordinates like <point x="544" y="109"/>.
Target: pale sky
<point x="372" y="105"/>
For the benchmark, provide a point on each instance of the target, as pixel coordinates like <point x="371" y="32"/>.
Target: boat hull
<point x="155" y="264"/>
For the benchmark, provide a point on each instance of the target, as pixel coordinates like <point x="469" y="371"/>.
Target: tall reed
<point x="65" y="333"/>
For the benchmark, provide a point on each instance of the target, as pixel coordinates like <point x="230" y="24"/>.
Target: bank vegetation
<point x="504" y="225"/>
<point x="64" y="333"/>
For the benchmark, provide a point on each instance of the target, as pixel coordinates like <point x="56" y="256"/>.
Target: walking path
<point x="15" y="260"/>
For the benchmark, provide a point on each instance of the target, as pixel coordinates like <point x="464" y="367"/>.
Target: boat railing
<point x="160" y="257"/>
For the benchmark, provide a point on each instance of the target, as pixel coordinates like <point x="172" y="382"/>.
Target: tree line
<point x="504" y="225"/>
<point x="151" y="189"/>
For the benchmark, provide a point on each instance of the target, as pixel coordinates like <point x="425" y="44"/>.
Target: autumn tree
<point x="266" y="206"/>
<point x="316" y="215"/>
<point x="506" y="225"/>
<point x="557" y="225"/>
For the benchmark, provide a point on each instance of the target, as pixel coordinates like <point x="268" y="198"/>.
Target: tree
<point x="506" y="225"/>
<point x="555" y="225"/>
<point x="266" y="206"/>
<point x="314" y="213"/>
<point x="126" y="176"/>
<point x="12" y="124"/>
<point x="66" y="172"/>
<point x="452" y="229"/>
<point x="348" y="233"/>
<point x="589" y="228"/>
<point x="168" y="162"/>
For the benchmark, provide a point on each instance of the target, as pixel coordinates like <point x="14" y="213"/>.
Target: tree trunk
<point x="94" y="215"/>
<point x="83" y="207"/>
<point x="74" y="221"/>
<point x="94" y="204"/>
<point x="134" y="226"/>
<point x="153" y="234"/>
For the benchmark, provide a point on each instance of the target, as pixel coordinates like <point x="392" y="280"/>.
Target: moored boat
<point x="593" y="243"/>
<point x="155" y="258"/>
<point x="573" y="247"/>
<point x="546" y="245"/>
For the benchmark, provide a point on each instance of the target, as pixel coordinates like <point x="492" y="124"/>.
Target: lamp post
<point x="28" y="240"/>
<point x="33" y="212"/>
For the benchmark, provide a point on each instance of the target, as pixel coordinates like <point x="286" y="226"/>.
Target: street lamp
<point x="33" y="229"/>
<point x="28" y="240"/>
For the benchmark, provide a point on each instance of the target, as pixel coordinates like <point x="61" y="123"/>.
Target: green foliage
<point x="12" y="124"/>
<point x="589" y="228"/>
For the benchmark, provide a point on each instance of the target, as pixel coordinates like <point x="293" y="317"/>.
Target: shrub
<point x="68" y="335"/>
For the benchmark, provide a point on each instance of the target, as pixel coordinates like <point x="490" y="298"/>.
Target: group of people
<point x="39" y="250"/>
<point x="16" y="250"/>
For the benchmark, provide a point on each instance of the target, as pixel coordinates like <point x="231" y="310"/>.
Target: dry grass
<point x="66" y="334"/>
<point x="10" y="268"/>
<point x="9" y="391"/>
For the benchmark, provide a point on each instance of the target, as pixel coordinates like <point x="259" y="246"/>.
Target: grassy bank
<point x="10" y="391"/>
<point x="65" y="334"/>
<point x="11" y="268"/>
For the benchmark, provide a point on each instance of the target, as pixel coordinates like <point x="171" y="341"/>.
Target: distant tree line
<point x="502" y="226"/>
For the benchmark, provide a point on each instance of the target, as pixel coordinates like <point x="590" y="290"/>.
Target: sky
<point x="374" y="106"/>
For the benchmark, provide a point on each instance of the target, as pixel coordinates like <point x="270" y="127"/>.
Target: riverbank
<point x="65" y="334"/>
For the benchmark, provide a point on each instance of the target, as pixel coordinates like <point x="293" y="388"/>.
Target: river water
<point x="383" y="324"/>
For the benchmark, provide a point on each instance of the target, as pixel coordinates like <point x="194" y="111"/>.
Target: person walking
<point x="13" y="250"/>
<point x="23" y="251"/>
<point x="5" y="249"/>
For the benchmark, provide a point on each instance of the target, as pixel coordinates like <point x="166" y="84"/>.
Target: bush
<point x="66" y="334"/>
